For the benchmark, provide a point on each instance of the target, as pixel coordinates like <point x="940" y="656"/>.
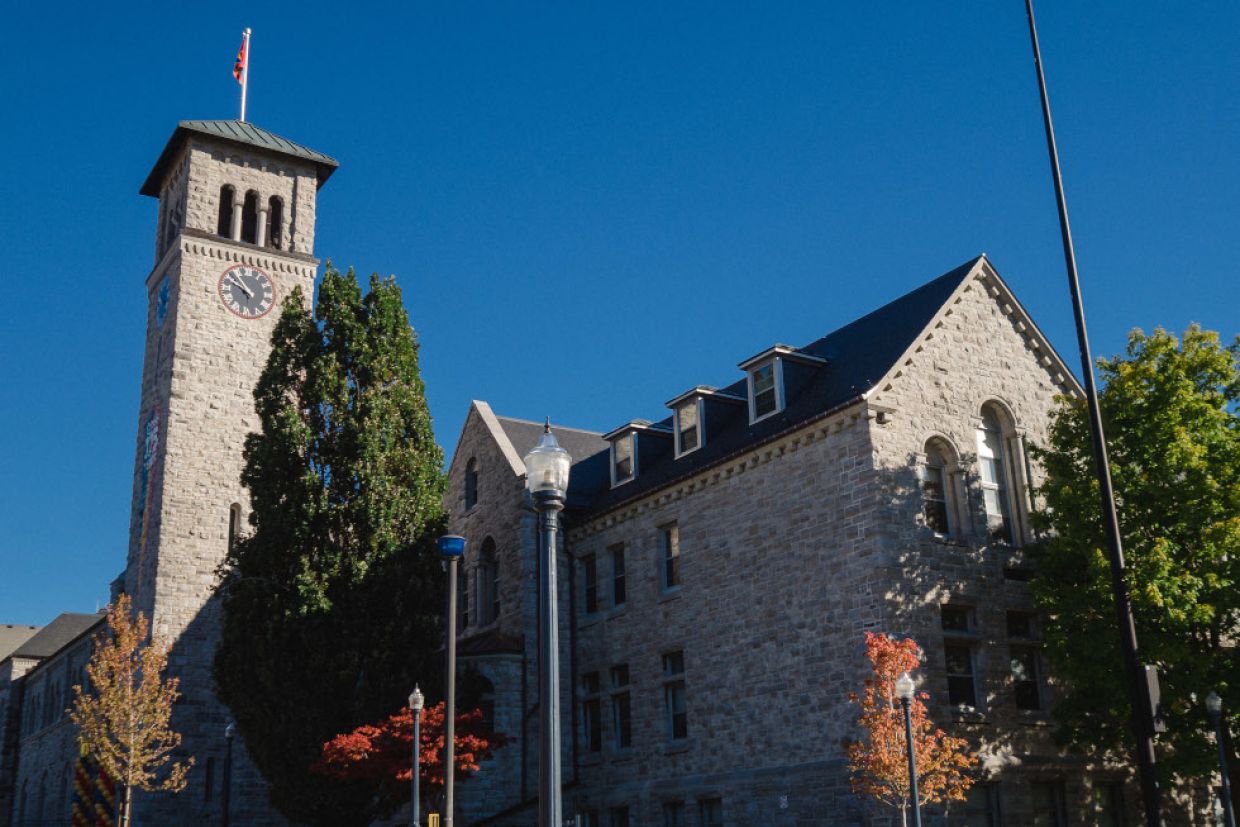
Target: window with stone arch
<point x="227" y="195"/>
<point x="1000" y="459"/>
<point x="471" y="483"/>
<point x="275" y="222"/>
<point x="249" y="218"/>
<point x="488" y="583"/>
<point x="940" y="506"/>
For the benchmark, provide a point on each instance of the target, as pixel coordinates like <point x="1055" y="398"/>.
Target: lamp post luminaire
<point x="904" y="690"/>
<point x="451" y="548"/>
<point x="416" y="702"/>
<point x="1214" y="706"/>
<point x="546" y="478"/>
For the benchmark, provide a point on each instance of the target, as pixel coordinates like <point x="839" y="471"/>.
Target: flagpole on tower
<point x="242" y="70"/>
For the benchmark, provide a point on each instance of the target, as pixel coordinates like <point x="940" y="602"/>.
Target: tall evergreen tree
<point x="332" y="602"/>
<point x="1173" y="432"/>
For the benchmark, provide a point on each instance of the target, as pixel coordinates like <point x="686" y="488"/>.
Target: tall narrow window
<point x="619" y="817"/>
<point x="935" y="494"/>
<point x="959" y="640"/>
<point x="981" y="806"/>
<point x="471" y="483"/>
<point x="622" y="469"/>
<point x="621" y="707"/>
<point x="1109" y="807"/>
<point x="591" y="712"/>
<point x="670" y="568"/>
<point x="224" y="227"/>
<point x="234" y="526"/>
<point x="275" y="222"/>
<point x="1023" y="658"/>
<point x="208" y="782"/>
<point x="688" y="427"/>
<point x="487" y="584"/>
<point x="764" y="394"/>
<point x="249" y="218"/>
<point x="618" y="592"/>
<point x="1049" y="807"/>
<point x="992" y="465"/>
<point x="589" y="576"/>
<point x="674" y="695"/>
<point x="674" y="814"/>
<point x="462" y="597"/>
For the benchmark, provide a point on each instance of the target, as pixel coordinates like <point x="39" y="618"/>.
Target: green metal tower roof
<point x="237" y="132"/>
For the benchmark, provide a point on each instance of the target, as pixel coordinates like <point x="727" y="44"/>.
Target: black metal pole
<point x="1138" y="695"/>
<point x="416" y="801"/>
<point x="226" y="795"/>
<point x="550" y="804"/>
<point x="1229" y="815"/>
<point x="912" y="761"/>
<point x="449" y="711"/>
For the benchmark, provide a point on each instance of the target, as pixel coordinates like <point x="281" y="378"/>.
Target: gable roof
<point x="13" y="636"/>
<point x="236" y="132"/>
<point x="588" y="449"/>
<point x="54" y="636"/>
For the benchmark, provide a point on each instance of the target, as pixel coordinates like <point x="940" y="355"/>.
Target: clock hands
<point x="233" y="278"/>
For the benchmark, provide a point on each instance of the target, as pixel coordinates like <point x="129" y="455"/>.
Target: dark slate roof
<point x="489" y="643"/>
<point x="859" y="355"/>
<point x="13" y="636"/>
<point x="237" y="132"/>
<point x="54" y="636"/>
<point x="587" y="448"/>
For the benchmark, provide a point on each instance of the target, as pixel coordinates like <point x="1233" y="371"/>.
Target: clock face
<point x="247" y="291"/>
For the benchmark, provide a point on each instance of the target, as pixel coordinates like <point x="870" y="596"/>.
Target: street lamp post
<point x="1214" y="706"/>
<point x="226" y="795"/>
<point x="451" y="548"/>
<point x="904" y="689"/>
<point x="546" y="477"/>
<point x="416" y="702"/>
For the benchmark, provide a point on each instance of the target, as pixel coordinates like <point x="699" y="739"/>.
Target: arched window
<point x="275" y="222"/>
<point x="234" y="526"/>
<point x="488" y="583"/>
<point x="998" y="476"/>
<point x="471" y="483"/>
<point x="249" y="218"/>
<point x="227" y="196"/>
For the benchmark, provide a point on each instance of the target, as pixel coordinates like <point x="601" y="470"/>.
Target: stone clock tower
<point x="235" y="236"/>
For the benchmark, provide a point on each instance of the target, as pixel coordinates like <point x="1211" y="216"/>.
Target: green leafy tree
<point x="332" y="602"/>
<point x="1170" y="414"/>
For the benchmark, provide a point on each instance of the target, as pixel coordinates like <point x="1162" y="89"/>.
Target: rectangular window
<point x="1020" y="625"/>
<point x="1024" y="663"/>
<point x="589" y="818"/>
<point x="688" y="433"/>
<point x="710" y="812"/>
<point x="958" y="627"/>
<point x="1048" y="805"/>
<point x="618" y="593"/>
<point x="671" y="556"/>
<point x="619" y="817"/>
<point x="591" y="709"/>
<point x="589" y="575"/>
<point x="934" y="498"/>
<point x="981" y="807"/>
<point x="622" y="459"/>
<point x="1109" y="810"/>
<point x="763" y="393"/>
<point x="674" y="814"/>
<point x="991" y="467"/>
<point x="621" y="707"/>
<point x="674" y="695"/>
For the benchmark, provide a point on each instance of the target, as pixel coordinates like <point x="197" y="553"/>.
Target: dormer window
<point x="688" y="426"/>
<point x="623" y="460"/>
<point x="765" y="393"/>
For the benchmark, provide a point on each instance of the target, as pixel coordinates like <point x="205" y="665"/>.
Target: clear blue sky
<point x="592" y="207"/>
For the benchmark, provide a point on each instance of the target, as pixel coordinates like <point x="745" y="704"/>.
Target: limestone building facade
<point x="723" y="564"/>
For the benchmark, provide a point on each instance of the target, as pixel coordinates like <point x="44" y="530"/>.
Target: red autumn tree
<point x="384" y="752"/>
<point x="879" y="762"/>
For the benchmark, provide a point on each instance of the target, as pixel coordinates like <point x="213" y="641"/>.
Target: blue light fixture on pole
<point x="451" y="548"/>
<point x="546" y="477"/>
<point x="1214" y="706"/>
<point x="416" y="702"/>
<point x="904" y="691"/>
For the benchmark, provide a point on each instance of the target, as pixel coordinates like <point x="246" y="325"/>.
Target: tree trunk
<point x="904" y="816"/>
<point x="125" y="806"/>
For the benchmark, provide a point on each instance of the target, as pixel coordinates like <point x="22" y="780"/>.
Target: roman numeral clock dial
<point x="247" y="291"/>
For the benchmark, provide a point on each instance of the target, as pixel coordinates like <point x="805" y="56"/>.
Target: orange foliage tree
<point x="879" y="762"/>
<point x="123" y="713"/>
<point x="383" y="752"/>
